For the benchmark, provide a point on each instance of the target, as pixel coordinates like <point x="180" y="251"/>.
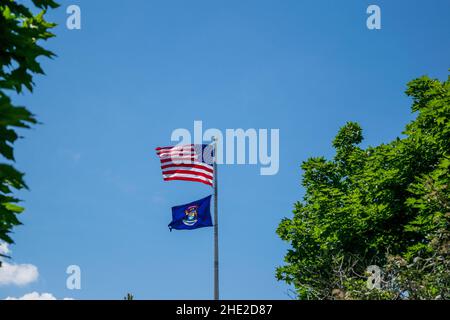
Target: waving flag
<point x="193" y="162"/>
<point x="194" y="215"/>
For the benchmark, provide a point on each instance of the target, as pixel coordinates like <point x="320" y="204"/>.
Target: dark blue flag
<point x="193" y="215"/>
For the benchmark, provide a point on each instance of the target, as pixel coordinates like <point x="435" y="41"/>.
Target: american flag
<point x="193" y="162"/>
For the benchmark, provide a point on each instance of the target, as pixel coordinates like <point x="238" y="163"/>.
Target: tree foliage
<point x="129" y="296"/>
<point x="387" y="205"/>
<point x="20" y="33"/>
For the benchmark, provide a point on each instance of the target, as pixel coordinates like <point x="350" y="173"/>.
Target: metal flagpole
<point x="216" y="227"/>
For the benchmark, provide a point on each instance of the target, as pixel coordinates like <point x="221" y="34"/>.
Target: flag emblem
<point x="193" y="162"/>
<point x="191" y="216"/>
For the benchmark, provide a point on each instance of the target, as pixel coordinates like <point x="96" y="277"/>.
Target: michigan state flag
<point x="193" y="215"/>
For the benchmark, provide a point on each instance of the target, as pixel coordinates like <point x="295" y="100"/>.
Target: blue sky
<point x="138" y="70"/>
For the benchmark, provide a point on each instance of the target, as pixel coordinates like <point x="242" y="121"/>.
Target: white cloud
<point x="36" y="296"/>
<point x="4" y="248"/>
<point x="21" y="275"/>
<point x="17" y="274"/>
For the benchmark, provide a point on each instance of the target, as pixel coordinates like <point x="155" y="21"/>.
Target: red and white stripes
<point x="185" y="163"/>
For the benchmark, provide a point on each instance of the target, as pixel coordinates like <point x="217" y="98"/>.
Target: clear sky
<point x="139" y="69"/>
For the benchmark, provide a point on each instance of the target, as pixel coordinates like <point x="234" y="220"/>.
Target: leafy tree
<point x="129" y="296"/>
<point x="387" y="205"/>
<point x="20" y="32"/>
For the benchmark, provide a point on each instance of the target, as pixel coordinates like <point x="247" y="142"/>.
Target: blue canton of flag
<point x="193" y="215"/>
